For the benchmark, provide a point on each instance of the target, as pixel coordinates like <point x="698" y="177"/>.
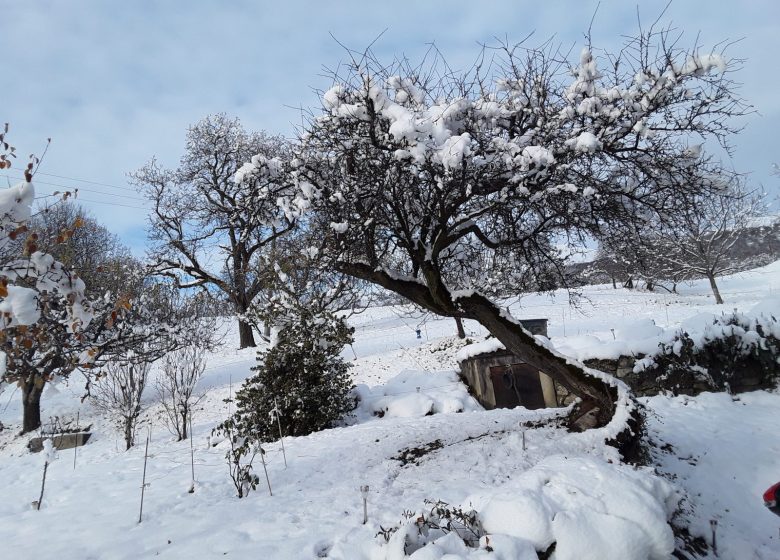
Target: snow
<point x="551" y="485"/>
<point x="412" y="394"/>
<point x="585" y="142"/>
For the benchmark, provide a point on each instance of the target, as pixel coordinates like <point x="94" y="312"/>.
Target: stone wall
<point x="646" y="383"/>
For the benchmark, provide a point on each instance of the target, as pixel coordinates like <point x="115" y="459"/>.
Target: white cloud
<point x="114" y="83"/>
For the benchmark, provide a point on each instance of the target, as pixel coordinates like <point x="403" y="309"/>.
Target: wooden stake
<point x="143" y="480"/>
<point x="714" y="527"/>
<point x="281" y="437"/>
<point x="364" y="493"/>
<point x="43" y="484"/>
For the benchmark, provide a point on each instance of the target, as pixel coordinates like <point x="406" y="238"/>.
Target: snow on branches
<point x="428" y="178"/>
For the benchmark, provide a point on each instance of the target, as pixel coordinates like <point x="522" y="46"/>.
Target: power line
<point x="86" y="181"/>
<point x="138" y="198"/>
<point x="112" y="203"/>
<point x="80" y="199"/>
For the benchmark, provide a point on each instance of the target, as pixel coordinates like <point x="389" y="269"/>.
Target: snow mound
<point x="412" y="394"/>
<point x="589" y="508"/>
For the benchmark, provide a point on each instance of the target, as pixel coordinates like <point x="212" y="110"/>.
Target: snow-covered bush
<point x="735" y="350"/>
<point x="438" y="519"/>
<point x="301" y="384"/>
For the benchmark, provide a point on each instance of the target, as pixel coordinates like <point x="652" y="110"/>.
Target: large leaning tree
<point x="413" y="167"/>
<point x="208" y="230"/>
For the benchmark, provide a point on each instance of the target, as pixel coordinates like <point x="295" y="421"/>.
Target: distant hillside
<point x="757" y="246"/>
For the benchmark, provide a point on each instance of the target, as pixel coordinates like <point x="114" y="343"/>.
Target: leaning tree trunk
<point x="597" y="395"/>
<point x="31" y="404"/>
<point x="461" y="330"/>
<point x="714" y="286"/>
<point x="594" y="392"/>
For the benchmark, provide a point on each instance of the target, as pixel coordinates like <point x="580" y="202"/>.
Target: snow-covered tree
<point x="41" y="301"/>
<point x="209" y="230"/>
<point x="54" y="344"/>
<point x="76" y="239"/>
<point x="408" y="164"/>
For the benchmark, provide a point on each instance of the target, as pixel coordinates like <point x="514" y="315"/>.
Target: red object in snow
<point x="771" y="497"/>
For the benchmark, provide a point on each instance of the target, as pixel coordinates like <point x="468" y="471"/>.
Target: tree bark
<point x="461" y="330"/>
<point x="714" y="286"/>
<point x="31" y="403"/>
<point x="128" y="433"/>
<point x="245" y="335"/>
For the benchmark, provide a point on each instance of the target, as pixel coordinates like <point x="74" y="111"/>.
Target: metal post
<point x="143" y="480"/>
<point x="281" y="437"/>
<point x="192" y="457"/>
<point x="75" y="447"/>
<point x="262" y="458"/>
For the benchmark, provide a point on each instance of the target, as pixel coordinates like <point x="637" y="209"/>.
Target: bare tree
<point x="701" y="243"/>
<point x="181" y="371"/>
<point x="407" y="163"/>
<point x="118" y="393"/>
<point x="208" y="229"/>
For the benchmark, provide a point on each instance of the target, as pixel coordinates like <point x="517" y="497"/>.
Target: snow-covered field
<point x="433" y="441"/>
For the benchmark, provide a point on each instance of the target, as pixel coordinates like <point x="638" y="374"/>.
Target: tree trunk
<point x="267" y="330"/>
<point x="461" y="330"/>
<point x="714" y="286"/>
<point x="245" y="335"/>
<point x="129" y="433"/>
<point x="183" y="434"/>
<point x="31" y="403"/>
<point x="525" y="347"/>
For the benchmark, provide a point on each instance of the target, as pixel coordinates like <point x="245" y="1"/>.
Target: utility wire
<point x="72" y="187"/>
<point x="87" y="181"/>
<point x="80" y="199"/>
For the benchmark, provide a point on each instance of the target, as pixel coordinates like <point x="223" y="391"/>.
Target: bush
<point x="302" y="381"/>
<point x="735" y="353"/>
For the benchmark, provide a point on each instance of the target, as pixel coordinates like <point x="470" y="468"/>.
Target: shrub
<point x="736" y="351"/>
<point x="301" y="383"/>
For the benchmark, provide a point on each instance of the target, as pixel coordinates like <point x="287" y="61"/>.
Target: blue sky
<point x="114" y="83"/>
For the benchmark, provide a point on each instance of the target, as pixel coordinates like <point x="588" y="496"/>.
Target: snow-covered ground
<point x="433" y="441"/>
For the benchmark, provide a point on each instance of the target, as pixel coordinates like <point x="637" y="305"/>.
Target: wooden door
<point x="517" y="385"/>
